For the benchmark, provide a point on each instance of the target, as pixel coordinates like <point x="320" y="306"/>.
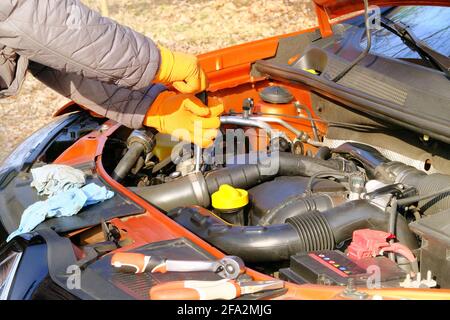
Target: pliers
<point x="224" y="289"/>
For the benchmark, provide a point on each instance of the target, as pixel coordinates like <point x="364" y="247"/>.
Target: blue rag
<point x="63" y="204"/>
<point x="53" y="178"/>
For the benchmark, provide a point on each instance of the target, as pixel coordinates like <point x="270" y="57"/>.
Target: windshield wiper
<point x="366" y="50"/>
<point x="438" y="60"/>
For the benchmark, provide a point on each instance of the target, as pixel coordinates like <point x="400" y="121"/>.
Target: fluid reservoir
<point x="164" y="146"/>
<point x="229" y="203"/>
<point x="276" y="99"/>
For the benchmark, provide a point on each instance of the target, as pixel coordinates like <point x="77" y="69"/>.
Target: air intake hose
<point x="195" y="189"/>
<point x="369" y="157"/>
<point x="425" y="184"/>
<point x="307" y="232"/>
<point x="379" y="167"/>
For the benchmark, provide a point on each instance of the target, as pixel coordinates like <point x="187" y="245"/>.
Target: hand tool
<point x="224" y="289"/>
<point x="229" y="267"/>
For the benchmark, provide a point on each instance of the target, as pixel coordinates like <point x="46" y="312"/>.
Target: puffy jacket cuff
<point x="152" y="68"/>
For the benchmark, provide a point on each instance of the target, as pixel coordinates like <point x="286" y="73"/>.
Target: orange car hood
<point x="336" y="8"/>
<point x="331" y="9"/>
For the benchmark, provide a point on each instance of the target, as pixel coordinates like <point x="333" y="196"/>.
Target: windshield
<point x="429" y="24"/>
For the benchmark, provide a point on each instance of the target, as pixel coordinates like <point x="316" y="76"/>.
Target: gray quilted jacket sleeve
<point x="88" y="58"/>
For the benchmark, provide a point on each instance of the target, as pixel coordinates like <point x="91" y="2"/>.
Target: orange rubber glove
<point x="184" y="116"/>
<point x="182" y="71"/>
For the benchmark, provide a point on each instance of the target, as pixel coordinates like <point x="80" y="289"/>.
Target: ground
<point x="189" y="26"/>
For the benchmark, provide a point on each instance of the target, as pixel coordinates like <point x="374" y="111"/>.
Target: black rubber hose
<point x="432" y="191"/>
<point x="368" y="156"/>
<point x="434" y="194"/>
<point x="184" y="191"/>
<point x="323" y="153"/>
<point x="242" y="176"/>
<point x="434" y="184"/>
<point x="360" y="214"/>
<point x="252" y="243"/>
<point x="286" y="164"/>
<point x="295" y="206"/>
<point x="128" y="161"/>
<point x="196" y="189"/>
<point x="307" y="232"/>
<point x="291" y="164"/>
<point x="309" y="185"/>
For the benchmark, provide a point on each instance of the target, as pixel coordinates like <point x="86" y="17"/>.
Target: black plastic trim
<point x="360" y="101"/>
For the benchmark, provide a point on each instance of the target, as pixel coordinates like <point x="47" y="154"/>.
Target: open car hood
<point x="336" y="8"/>
<point x="327" y="10"/>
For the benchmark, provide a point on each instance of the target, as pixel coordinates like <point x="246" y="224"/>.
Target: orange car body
<point x="229" y="75"/>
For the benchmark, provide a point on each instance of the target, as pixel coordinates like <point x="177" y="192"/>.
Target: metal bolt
<point x="351" y="291"/>
<point x="351" y="285"/>
<point x="230" y="268"/>
<point x="247" y="107"/>
<point x="104" y="127"/>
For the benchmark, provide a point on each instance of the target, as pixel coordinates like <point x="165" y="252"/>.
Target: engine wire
<point x="308" y="189"/>
<point x="410" y="200"/>
<point x="393" y="214"/>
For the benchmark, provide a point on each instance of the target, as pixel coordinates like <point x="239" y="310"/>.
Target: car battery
<point x="332" y="267"/>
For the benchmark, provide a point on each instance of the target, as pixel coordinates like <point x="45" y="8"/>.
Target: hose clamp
<point x="199" y="188"/>
<point x="144" y="137"/>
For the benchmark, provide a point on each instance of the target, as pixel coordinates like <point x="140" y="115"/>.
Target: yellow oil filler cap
<point x="228" y="198"/>
<point x="311" y="71"/>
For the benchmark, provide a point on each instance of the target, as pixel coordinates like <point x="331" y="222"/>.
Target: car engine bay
<point x="331" y="167"/>
<point x="275" y="191"/>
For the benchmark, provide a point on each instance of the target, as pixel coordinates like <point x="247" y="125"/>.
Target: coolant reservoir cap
<point x="228" y="197"/>
<point x="276" y="94"/>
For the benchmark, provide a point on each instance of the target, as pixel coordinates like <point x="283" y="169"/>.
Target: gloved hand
<point x="185" y="117"/>
<point x="182" y="71"/>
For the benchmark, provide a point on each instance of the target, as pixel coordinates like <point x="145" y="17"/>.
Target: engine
<point x="291" y="204"/>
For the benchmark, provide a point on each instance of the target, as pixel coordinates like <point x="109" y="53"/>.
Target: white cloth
<point x="53" y="178"/>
